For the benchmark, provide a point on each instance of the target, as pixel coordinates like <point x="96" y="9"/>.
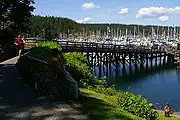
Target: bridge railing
<point x="70" y="45"/>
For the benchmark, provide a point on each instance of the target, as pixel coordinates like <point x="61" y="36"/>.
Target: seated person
<point x="167" y="110"/>
<point x="55" y="68"/>
<point x="58" y="74"/>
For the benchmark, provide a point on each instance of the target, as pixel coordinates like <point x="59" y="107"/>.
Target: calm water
<point x="159" y="85"/>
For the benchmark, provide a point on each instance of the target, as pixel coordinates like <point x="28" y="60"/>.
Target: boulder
<point x="68" y="86"/>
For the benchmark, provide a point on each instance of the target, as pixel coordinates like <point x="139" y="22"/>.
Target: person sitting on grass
<point x="58" y="72"/>
<point x="167" y="110"/>
<point x="58" y="76"/>
<point x="55" y="69"/>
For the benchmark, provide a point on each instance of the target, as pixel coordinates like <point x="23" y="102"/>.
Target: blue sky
<point x="156" y="12"/>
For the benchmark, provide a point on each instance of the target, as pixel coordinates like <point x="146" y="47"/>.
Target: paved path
<point x="18" y="102"/>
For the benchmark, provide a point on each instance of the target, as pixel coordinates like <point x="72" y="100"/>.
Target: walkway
<point x="18" y="102"/>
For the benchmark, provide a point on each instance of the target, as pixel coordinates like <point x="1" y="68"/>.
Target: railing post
<point x="82" y="46"/>
<point x="75" y="46"/>
<point x="96" y="47"/>
<point x="67" y="45"/>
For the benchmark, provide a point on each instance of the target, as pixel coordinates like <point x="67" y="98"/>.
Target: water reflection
<point x="157" y="88"/>
<point x="159" y="83"/>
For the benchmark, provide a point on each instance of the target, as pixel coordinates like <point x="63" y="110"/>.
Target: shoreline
<point x="175" y="114"/>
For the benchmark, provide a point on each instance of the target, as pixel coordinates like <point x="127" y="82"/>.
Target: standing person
<point x="19" y="45"/>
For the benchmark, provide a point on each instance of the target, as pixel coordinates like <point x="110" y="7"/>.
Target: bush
<point x="77" y="65"/>
<point x="92" y="82"/>
<point x="106" y="90"/>
<point x="136" y="105"/>
<point x="41" y="50"/>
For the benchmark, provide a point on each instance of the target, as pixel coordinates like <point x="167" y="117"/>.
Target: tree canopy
<point x="14" y="18"/>
<point x="50" y="27"/>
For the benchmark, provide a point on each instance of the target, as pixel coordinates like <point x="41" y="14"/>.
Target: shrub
<point x="77" y="65"/>
<point x="92" y="82"/>
<point x="106" y="90"/>
<point x="41" y="50"/>
<point x="136" y="105"/>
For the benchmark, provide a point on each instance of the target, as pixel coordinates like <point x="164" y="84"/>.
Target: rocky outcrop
<point x="29" y="66"/>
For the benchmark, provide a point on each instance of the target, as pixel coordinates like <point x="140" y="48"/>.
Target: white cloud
<point x="85" y="20"/>
<point x="90" y="6"/>
<point x="164" y="18"/>
<point x="157" y="11"/>
<point x="124" y="11"/>
<point x="79" y="21"/>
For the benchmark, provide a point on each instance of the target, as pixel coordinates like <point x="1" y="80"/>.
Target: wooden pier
<point x="118" y="55"/>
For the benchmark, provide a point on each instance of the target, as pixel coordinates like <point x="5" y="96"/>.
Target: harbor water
<point x="159" y="84"/>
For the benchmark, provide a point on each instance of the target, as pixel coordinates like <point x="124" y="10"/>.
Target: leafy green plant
<point x="106" y="90"/>
<point x="77" y="65"/>
<point x="41" y="50"/>
<point x="136" y="105"/>
<point x="92" y="82"/>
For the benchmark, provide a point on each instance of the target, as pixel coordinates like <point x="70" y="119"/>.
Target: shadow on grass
<point x="97" y="109"/>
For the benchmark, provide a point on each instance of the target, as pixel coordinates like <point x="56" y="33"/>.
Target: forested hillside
<point x="50" y="27"/>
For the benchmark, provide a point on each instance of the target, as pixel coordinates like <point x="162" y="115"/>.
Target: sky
<point x="144" y="12"/>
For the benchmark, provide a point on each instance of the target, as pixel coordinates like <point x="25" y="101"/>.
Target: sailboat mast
<point x="134" y="32"/>
<point x="158" y="32"/>
<point x="174" y="34"/>
<point x="117" y="33"/>
<point x="120" y="34"/>
<point x="168" y="34"/>
<point x="126" y="33"/>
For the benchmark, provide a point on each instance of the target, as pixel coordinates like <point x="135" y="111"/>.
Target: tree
<point x="53" y="26"/>
<point x="14" y="18"/>
<point x="50" y="27"/>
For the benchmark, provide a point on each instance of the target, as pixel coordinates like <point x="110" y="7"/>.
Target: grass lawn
<point x="161" y="117"/>
<point x="102" y="107"/>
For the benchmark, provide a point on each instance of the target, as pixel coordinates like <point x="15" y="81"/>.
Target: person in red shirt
<point x="19" y="44"/>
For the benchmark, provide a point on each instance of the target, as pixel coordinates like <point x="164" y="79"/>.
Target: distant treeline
<point x="50" y="27"/>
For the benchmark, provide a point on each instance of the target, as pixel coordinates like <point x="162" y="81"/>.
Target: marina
<point x="119" y="37"/>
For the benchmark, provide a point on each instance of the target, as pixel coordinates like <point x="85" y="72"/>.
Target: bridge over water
<point x="119" y="55"/>
<point x="103" y="54"/>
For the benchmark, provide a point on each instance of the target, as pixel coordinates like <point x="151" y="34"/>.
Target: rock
<point x="68" y="87"/>
<point x="72" y="85"/>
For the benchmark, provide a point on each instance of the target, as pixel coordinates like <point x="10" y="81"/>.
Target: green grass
<point x="161" y="117"/>
<point x="103" y="107"/>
